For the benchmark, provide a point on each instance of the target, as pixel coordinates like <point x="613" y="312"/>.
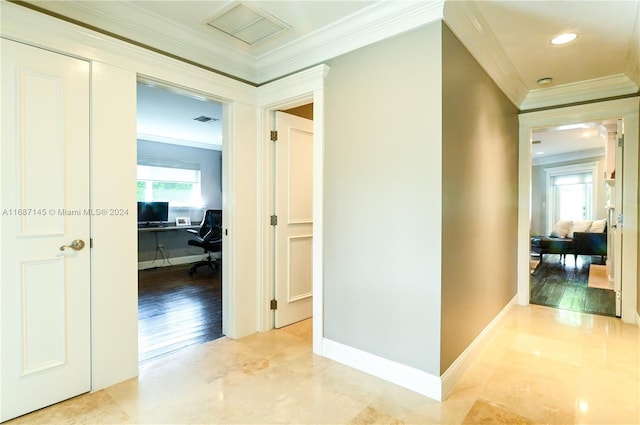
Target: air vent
<point x="203" y="118"/>
<point x="247" y="25"/>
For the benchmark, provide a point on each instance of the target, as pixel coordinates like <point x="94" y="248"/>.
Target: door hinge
<point x="274" y="135"/>
<point x="274" y="220"/>
<point x="273" y="304"/>
<point x="91" y="243"/>
<point x="621" y="141"/>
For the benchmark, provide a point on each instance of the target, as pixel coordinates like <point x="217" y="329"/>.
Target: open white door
<point x="617" y="226"/>
<point x="45" y="275"/>
<point x="294" y="211"/>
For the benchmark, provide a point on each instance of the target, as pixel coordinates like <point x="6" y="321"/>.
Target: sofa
<point x="582" y="237"/>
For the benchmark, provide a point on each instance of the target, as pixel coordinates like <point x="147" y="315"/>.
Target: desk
<point x="165" y="245"/>
<point x="164" y="228"/>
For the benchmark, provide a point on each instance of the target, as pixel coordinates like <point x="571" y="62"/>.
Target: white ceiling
<point x="510" y="39"/>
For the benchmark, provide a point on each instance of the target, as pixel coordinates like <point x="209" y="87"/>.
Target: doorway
<point x="569" y="166"/>
<point x="626" y="261"/>
<point x="179" y="167"/>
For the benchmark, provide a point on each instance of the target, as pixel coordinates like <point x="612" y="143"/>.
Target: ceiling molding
<point x="377" y="22"/>
<point x="469" y="25"/>
<point x="126" y="20"/>
<point x="597" y="88"/>
<point x="22" y="24"/>
<point x="569" y="156"/>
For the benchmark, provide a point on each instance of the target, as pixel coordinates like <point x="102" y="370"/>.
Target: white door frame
<point x="299" y="89"/>
<point x="629" y="110"/>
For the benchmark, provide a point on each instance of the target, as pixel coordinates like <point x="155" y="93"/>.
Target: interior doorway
<point x="179" y="163"/>
<point x="626" y="260"/>
<point x="570" y="164"/>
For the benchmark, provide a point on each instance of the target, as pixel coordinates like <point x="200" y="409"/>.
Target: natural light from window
<point x="178" y="186"/>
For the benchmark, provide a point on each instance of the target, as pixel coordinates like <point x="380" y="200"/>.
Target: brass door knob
<point x="76" y="245"/>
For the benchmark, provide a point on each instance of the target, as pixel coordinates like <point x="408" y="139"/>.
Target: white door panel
<point x="294" y="208"/>
<point x="44" y="291"/>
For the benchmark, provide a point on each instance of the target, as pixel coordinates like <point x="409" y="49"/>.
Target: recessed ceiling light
<point x="539" y="153"/>
<point x="563" y="38"/>
<point x="545" y="81"/>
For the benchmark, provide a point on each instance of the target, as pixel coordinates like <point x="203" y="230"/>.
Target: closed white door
<point x="44" y="288"/>
<point x="294" y="209"/>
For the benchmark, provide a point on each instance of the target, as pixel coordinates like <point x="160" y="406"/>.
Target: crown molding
<point x="25" y="25"/>
<point x="377" y="22"/>
<point x="132" y="23"/>
<point x="469" y="25"/>
<point x="597" y="88"/>
<point x="135" y="24"/>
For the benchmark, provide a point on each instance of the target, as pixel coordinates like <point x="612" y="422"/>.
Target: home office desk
<point x="164" y="228"/>
<point x="157" y="245"/>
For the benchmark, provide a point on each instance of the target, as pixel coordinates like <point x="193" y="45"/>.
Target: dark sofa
<point x="582" y="243"/>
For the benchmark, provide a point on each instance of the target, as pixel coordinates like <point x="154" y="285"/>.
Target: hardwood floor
<point x="563" y="285"/>
<point x="176" y="310"/>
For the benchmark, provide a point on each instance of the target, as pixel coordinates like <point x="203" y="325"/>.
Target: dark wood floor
<point x="176" y="310"/>
<point x="563" y="284"/>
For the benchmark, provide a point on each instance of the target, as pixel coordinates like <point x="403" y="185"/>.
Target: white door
<point x="617" y="226"/>
<point x="44" y="290"/>
<point x="294" y="209"/>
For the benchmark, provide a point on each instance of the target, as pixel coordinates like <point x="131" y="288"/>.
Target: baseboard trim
<point x="143" y="265"/>
<point x="435" y="387"/>
<point x="453" y="374"/>
<point x="397" y="373"/>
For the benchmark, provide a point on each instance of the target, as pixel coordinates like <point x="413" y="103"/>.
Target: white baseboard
<point x="453" y="374"/>
<point x="435" y="387"/>
<point x="143" y="265"/>
<point x="405" y="376"/>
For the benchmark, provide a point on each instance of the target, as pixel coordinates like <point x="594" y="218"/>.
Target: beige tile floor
<point x="543" y="366"/>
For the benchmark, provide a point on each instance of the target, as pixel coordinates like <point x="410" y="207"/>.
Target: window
<point x="179" y="186"/>
<point x="570" y="193"/>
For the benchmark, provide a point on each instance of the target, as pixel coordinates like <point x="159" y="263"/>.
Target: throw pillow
<point x="561" y="229"/>
<point x="580" y="226"/>
<point x="598" y="226"/>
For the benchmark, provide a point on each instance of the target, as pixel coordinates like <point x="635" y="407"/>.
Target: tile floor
<point x="543" y="366"/>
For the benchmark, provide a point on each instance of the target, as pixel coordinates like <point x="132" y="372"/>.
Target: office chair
<point x="209" y="238"/>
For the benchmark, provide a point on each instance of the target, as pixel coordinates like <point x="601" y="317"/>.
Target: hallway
<point x="544" y="365"/>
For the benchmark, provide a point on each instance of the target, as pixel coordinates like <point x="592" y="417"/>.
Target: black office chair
<point x="209" y="238"/>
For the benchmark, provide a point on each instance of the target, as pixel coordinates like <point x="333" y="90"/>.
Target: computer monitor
<point x="153" y="212"/>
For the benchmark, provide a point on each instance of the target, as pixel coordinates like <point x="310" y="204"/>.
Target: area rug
<point x="598" y="277"/>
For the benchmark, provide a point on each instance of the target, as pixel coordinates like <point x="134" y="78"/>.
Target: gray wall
<point x="539" y="223"/>
<point x="480" y="199"/>
<point x="382" y="197"/>
<point x="175" y="242"/>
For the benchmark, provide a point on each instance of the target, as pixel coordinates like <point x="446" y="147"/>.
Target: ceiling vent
<point x="248" y="25"/>
<point x="204" y="118"/>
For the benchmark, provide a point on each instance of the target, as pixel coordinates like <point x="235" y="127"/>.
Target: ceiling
<point x="510" y="39"/>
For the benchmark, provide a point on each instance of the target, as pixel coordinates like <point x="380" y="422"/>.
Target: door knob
<point x="76" y="245"/>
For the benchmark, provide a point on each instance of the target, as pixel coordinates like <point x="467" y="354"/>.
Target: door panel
<point x="44" y="290"/>
<point x="294" y="208"/>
